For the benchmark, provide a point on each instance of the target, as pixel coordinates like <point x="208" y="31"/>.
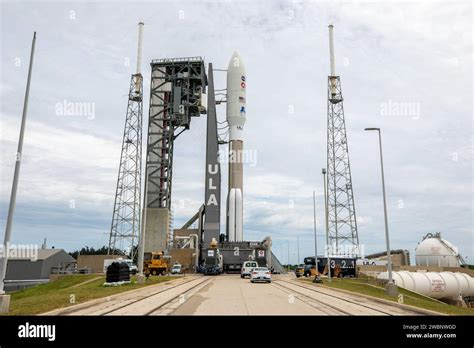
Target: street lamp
<point x="4" y="298"/>
<point x="316" y="279"/>
<point x="315" y="236"/>
<point x="298" y="246"/>
<point x="327" y="226"/>
<point x="390" y="289"/>
<point x="288" y="260"/>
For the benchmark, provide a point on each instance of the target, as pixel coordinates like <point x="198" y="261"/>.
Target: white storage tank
<point x="439" y="285"/>
<point x="436" y="251"/>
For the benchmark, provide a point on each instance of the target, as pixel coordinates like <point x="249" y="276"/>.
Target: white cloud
<point x="419" y="51"/>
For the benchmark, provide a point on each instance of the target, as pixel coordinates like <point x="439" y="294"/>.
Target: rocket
<point x="236" y="109"/>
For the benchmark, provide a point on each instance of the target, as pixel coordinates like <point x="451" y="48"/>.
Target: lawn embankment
<point x="69" y="290"/>
<point x="365" y="287"/>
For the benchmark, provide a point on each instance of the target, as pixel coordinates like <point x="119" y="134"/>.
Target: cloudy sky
<point x="405" y="67"/>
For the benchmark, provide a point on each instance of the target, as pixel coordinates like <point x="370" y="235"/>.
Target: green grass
<point x="58" y="293"/>
<point x="363" y="286"/>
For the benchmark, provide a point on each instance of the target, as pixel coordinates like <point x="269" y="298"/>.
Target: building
<point x="399" y="257"/>
<point x="24" y="272"/>
<point x="185" y="250"/>
<point x="94" y="263"/>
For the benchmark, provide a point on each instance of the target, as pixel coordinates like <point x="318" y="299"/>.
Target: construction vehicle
<point x="299" y="270"/>
<point x="154" y="263"/>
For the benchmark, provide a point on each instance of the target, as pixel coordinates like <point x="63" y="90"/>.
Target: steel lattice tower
<point x="342" y="224"/>
<point x="125" y="227"/>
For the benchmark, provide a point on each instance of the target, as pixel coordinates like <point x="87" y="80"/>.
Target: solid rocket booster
<point x="236" y="108"/>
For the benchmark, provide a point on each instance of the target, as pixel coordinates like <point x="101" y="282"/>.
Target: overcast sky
<point x="405" y="67"/>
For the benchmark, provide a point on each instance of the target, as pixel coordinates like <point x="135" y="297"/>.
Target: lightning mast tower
<point x="125" y="227"/>
<point x="340" y="197"/>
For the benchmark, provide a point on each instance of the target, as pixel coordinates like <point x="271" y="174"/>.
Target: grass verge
<point x="361" y="286"/>
<point x="69" y="290"/>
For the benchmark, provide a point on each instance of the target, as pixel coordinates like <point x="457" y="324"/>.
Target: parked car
<point x="261" y="274"/>
<point x="247" y="267"/>
<point x="176" y="269"/>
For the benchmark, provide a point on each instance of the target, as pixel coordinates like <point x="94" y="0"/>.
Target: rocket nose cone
<point x="236" y="62"/>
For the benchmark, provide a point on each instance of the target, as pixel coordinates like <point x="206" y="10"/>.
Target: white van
<point x="247" y="268"/>
<point x="176" y="269"/>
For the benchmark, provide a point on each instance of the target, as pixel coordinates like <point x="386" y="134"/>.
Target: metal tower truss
<point x="125" y="228"/>
<point x="342" y="224"/>
<point x="176" y="89"/>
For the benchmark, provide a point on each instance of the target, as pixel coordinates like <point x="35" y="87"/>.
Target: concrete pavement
<point x="231" y="295"/>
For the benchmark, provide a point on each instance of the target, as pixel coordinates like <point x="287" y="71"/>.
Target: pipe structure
<point x="331" y="51"/>
<point x="138" y="76"/>
<point x="140" y="47"/>
<point x="332" y="61"/>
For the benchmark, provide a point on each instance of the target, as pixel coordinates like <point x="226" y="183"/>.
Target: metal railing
<point x="176" y="60"/>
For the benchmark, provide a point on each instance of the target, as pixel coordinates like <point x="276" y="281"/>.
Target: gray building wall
<point x="19" y="269"/>
<point x="25" y="269"/>
<point x="56" y="260"/>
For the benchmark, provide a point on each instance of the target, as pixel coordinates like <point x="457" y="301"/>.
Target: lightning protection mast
<point x="343" y="237"/>
<point x="125" y="227"/>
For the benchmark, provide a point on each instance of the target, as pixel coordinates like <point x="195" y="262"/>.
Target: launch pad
<point x="178" y="93"/>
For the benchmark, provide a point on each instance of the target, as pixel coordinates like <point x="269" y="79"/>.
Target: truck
<point x="299" y="270"/>
<point x="154" y="263"/>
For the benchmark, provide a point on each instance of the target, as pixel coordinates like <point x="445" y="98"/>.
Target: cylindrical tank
<point x="434" y="284"/>
<point x="438" y="252"/>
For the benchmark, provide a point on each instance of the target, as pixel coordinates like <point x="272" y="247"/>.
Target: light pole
<point x="390" y="289"/>
<point x="5" y="299"/>
<point x="298" y="245"/>
<point x="315" y="237"/>
<point x="281" y="252"/>
<point x="327" y="225"/>
<point x="141" y="242"/>
<point x="317" y="278"/>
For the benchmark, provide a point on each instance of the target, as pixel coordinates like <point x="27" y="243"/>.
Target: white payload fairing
<point x="236" y="108"/>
